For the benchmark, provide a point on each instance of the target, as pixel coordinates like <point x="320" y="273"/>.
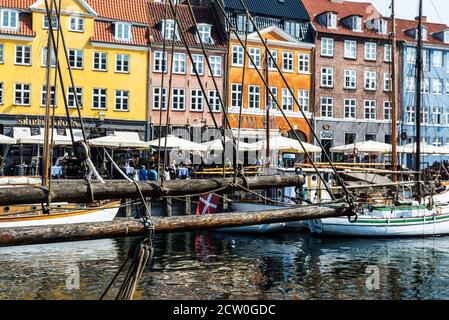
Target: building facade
<point x="353" y="72"/>
<point x="172" y="68"/>
<point x="285" y="29"/>
<point x="435" y="85"/>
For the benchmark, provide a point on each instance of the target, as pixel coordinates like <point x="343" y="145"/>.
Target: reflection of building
<point x="285" y="28"/>
<point x="352" y="63"/>
<point x="435" y="87"/>
<point x="188" y="107"/>
<point x="107" y="47"/>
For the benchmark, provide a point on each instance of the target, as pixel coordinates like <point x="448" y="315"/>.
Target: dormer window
<point x="381" y="26"/>
<point x="122" y="31"/>
<point x="446" y="36"/>
<point x="170" y="30"/>
<point x="331" y="19"/>
<point x="424" y="33"/>
<point x="54" y="24"/>
<point x="9" y="19"/>
<point x="205" y="30"/>
<point x="356" y="24"/>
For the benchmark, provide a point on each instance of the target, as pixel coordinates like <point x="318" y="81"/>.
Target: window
<point x="350" y="49"/>
<point x="357" y="24"/>
<point x="303" y="99"/>
<point x="350" y="79"/>
<point x="370" y="109"/>
<point x="54" y="24"/>
<point x="237" y="56"/>
<point x="1" y="93"/>
<point x="437" y="86"/>
<point x="382" y="26"/>
<point x="179" y="63"/>
<point x="436" y="141"/>
<point x="122" y="31"/>
<point x="71" y="96"/>
<point x="214" y="100"/>
<point x="370" y="137"/>
<point x="122" y="63"/>
<point x="370" y="80"/>
<point x="243" y="23"/>
<point x="327" y="77"/>
<point x="287" y="61"/>
<point x="271" y="101"/>
<point x="387" y="52"/>
<point x="425" y="116"/>
<point x="304" y="63"/>
<point x="204" y="31"/>
<point x="22" y="93"/>
<point x="178" y="99"/>
<point x="44" y="96"/>
<point x="198" y="61"/>
<point x="410" y="114"/>
<point x="437" y="59"/>
<point x="121" y="100"/>
<point x="447" y="88"/>
<point x="410" y="84"/>
<point x="170" y="30"/>
<point x="9" y="19"/>
<point x="287" y="100"/>
<point x="44" y="57"/>
<point x="436" y="116"/>
<point x="215" y="65"/>
<point x="76" y="58"/>
<point x="236" y="95"/>
<point x="327" y="47"/>
<point x="446" y="36"/>
<point x="99" y="99"/>
<point x="350" y="108"/>
<point x="100" y="62"/>
<point x="160" y="61"/>
<point x="387" y="82"/>
<point x="387" y="110"/>
<point x="23" y="55"/>
<point x="350" y="137"/>
<point x="424" y="33"/>
<point x="159" y="98"/>
<point x="370" y="51"/>
<point x="293" y="29"/>
<point x="425" y="85"/>
<point x="426" y="60"/>
<point x="254" y="97"/>
<point x="273" y="62"/>
<point x="411" y="55"/>
<point x="196" y="100"/>
<point x="331" y="19"/>
<point x="326" y="107"/>
<point x="76" y="24"/>
<point x="2" y="53"/>
<point x="256" y="56"/>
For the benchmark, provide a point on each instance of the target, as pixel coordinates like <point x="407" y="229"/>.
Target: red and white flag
<point x="208" y="204"/>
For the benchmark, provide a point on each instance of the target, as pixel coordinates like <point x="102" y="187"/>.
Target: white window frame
<point x="2" y="53"/>
<point x="44" y="58"/>
<point x="170" y="30"/>
<point x="236" y="95"/>
<point x="387" y="110"/>
<point x="437" y="58"/>
<point x="196" y="100"/>
<point x="162" y="58"/>
<point x="304" y="99"/>
<point x="101" y="95"/>
<point x="205" y="32"/>
<point x="370" y="76"/>
<point x="256" y="56"/>
<point x="76" y="24"/>
<point x="350" y="75"/>
<point x="178" y="99"/>
<point x="179" y="63"/>
<point x="271" y="103"/>
<point x="198" y="61"/>
<point x="25" y="94"/>
<point x="287" y="100"/>
<point x="328" y="104"/>
<point x="437" y="83"/>
<point x="388" y="52"/>
<point x="100" y="58"/>
<point x="350" y="49"/>
<point x="327" y="47"/>
<point x="388" y="84"/>
<point x="77" y="58"/>
<point x="238" y="55"/>
<point x="271" y="62"/>
<point x="45" y="24"/>
<point x="71" y="102"/>
<point x="254" y="94"/>
<point x="122" y="63"/>
<point x="350" y="108"/>
<point x="410" y="84"/>
<point x="331" y="20"/>
<point x="121" y="101"/>
<point x="369" y="109"/>
<point x="53" y="96"/>
<point x="157" y="98"/>
<point x="213" y="97"/>
<point x="13" y="15"/>
<point x="327" y="78"/>
<point x="288" y="61"/>
<point x="25" y="55"/>
<point x="304" y="63"/>
<point x="216" y="63"/>
<point x="123" y="31"/>
<point x="370" y="51"/>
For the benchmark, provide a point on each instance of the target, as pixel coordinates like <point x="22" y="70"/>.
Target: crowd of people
<point x="148" y="171"/>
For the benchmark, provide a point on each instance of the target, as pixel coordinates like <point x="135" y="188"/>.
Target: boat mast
<point x="394" y="159"/>
<point x="419" y="68"/>
<point x="48" y="119"/>
<point x="267" y="106"/>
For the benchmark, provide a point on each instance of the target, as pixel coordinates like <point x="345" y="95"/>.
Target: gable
<point x="274" y="33"/>
<point x="67" y="7"/>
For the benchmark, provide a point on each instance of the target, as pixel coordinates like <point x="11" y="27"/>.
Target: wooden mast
<point x="394" y="104"/>
<point x="267" y="106"/>
<point x="419" y="67"/>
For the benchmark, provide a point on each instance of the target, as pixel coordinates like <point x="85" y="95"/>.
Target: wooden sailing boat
<point x="421" y="216"/>
<point x="38" y="214"/>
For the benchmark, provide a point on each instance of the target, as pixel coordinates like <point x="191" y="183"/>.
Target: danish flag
<point x="208" y="204"/>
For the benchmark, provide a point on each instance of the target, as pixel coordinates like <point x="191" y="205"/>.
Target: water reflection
<point x="212" y="265"/>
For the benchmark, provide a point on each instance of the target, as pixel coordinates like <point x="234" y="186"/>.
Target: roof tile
<point x="403" y="25"/>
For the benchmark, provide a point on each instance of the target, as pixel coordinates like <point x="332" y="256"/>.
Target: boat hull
<point x="263" y="228"/>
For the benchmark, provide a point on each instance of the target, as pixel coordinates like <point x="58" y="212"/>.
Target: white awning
<point x="177" y="143"/>
<point x="369" y="146"/>
<point x="425" y="149"/>
<point x="217" y="145"/>
<point x="6" y="140"/>
<point x="283" y="143"/>
<point x="23" y="136"/>
<point x="120" y="139"/>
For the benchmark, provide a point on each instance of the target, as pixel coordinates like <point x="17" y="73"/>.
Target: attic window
<point x="331" y="20"/>
<point x="356" y="24"/>
<point x="446" y="36"/>
<point x="424" y="33"/>
<point x="9" y="19"/>
<point x="122" y="31"/>
<point x="381" y="26"/>
<point x="170" y="30"/>
<point x="204" y="30"/>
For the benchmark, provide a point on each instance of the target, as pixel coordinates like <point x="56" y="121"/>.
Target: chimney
<point x="424" y="18"/>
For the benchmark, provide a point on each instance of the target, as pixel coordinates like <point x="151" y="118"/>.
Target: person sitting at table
<point x="143" y="173"/>
<point x="152" y="174"/>
<point x="183" y="172"/>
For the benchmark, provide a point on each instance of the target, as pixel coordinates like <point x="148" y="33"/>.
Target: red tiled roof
<point x="404" y="25"/>
<point x="122" y="10"/>
<point x="343" y="9"/>
<point x="186" y="24"/>
<point x="104" y="32"/>
<point x="16" y="4"/>
<point x="26" y="28"/>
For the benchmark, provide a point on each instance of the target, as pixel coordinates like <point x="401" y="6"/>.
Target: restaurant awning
<point x="120" y="139"/>
<point x="369" y="146"/>
<point x="172" y="142"/>
<point x="425" y="149"/>
<point x="61" y="137"/>
<point x="283" y="143"/>
<point x="6" y="140"/>
<point x="217" y="145"/>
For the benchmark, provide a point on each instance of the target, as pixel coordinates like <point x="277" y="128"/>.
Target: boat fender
<point x="298" y="170"/>
<point x="353" y="218"/>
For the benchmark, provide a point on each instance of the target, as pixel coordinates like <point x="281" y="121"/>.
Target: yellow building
<point x="107" y="44"/>
<point x="294" y="59"/>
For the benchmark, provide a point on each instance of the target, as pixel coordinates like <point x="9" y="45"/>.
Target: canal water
<point x="213" y="265"/>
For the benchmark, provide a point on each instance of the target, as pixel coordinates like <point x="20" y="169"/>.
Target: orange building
<point x="294" y="58"/>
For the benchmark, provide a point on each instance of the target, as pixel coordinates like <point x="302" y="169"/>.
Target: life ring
<point x="353" y="218"/>
<point x="298" y="170"/>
